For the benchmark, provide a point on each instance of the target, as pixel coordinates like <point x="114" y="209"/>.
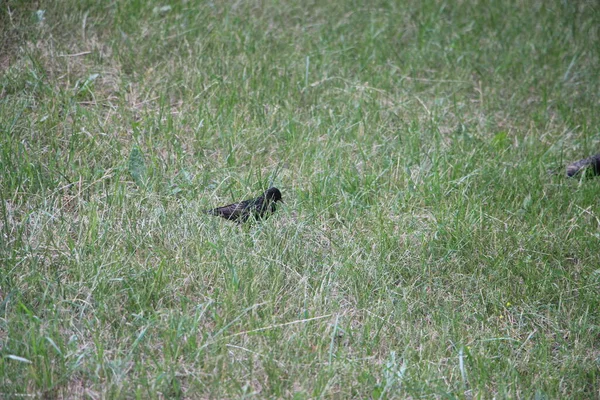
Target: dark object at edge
<point x="260" y="207"/>
<point x="577" y="166"/>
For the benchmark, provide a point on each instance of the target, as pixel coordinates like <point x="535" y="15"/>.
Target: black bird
<point x="593" y="162"/>
<point x="258" y="208"/>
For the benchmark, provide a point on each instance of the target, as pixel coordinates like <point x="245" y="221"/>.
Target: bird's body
<point x="593" y="162"/>
<point x="258" y="208"/>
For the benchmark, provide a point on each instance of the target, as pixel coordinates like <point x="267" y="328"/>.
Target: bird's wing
<point x="577" y="166"/>
<point x="230" y="211"/>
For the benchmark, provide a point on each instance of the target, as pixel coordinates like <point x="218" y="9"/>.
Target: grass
<point x="423" y="249"/>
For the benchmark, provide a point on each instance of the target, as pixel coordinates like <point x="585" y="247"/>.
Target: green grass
<point x="423" y="250"/>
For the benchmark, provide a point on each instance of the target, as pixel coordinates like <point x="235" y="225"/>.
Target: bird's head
<point x="273" y="194"/>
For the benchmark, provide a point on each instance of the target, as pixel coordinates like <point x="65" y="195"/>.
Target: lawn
<point x="429" y="244"/>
